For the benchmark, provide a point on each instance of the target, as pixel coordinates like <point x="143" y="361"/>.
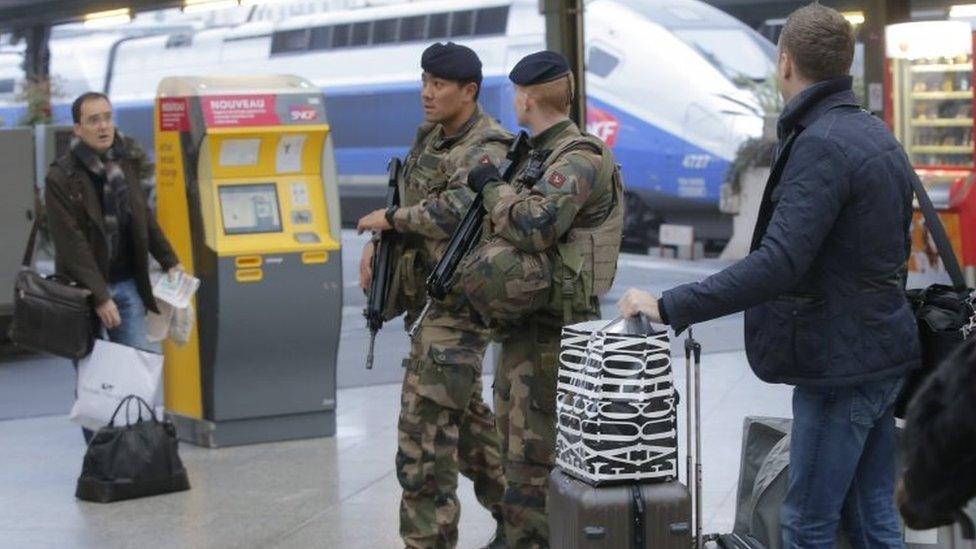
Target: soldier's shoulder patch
<point x="485" y="159"/>
<point x="557" y="179"/>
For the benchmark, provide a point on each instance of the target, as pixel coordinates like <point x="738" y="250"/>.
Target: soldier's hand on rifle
<point x="481" y="175"/>
<point x="374" y="221"/>
<point x="366" y="266"/>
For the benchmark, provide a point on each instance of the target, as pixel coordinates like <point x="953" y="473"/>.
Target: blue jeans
<point x="842" y="467"/>
<point x="132" y="331"/>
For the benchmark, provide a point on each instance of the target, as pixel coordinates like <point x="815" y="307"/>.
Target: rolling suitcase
<point x="638" y="516"/>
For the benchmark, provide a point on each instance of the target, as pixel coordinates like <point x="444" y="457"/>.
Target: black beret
<point x="538" y="68"/>
<point x="451" y="61"/>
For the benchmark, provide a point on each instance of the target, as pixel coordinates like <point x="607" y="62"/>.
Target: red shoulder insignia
<point x="557" y="180"/>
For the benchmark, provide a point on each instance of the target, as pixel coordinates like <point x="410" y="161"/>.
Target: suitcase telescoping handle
<point x="693" y="406"/>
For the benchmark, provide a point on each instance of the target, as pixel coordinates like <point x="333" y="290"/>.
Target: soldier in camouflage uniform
<point x="562" y="216"/>
<point x="445" y="425"/>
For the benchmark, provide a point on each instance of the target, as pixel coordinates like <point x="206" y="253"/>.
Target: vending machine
<point x="930" y="110"/>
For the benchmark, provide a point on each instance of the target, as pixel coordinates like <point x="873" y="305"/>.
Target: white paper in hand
<point x="176" y="291"/>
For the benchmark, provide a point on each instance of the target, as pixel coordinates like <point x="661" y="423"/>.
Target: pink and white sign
<point x="174" y="114"/>
<point x="239" y="110"/>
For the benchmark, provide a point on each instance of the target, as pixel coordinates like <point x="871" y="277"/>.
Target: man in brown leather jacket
<point x="101" y="225"/>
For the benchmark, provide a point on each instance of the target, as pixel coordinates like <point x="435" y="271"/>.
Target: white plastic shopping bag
<point x="158" y="324"/>
<point x="110" y="373"/>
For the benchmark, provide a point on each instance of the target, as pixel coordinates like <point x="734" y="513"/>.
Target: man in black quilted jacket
<point x="823" y="291"/>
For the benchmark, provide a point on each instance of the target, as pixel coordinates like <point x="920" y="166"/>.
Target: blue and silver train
<point x="664" y="84"/>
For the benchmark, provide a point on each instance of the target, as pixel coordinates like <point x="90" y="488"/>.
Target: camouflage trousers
<point x="445" y="427"/>
<point x="525" y="404"/>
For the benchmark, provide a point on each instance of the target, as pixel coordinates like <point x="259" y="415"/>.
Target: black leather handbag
<point x="133" y="460"/>
<point x="946" y="315"/>
<point x="51" y="314"/>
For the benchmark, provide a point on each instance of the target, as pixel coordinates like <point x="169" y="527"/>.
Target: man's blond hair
<point x="556" y="95"/>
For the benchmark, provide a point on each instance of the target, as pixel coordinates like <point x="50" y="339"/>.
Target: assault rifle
<point x="467" y="234"/>
<point x="382" y="264"/>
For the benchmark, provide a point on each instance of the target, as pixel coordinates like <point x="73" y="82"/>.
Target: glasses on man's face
<point x="98" y="119"/>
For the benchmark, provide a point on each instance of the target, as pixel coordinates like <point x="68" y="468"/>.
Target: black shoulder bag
<point x="133" y="460"/>
<point x="51" y="314"/>
<point x="946" y="315"/>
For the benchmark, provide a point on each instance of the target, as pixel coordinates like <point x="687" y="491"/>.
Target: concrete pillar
<point x="564" y="34"/>
<point x="877" y="15"/>
<point x="37" y="56"/>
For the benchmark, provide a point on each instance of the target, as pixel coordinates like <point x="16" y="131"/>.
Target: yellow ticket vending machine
<point x="246" y="191"/>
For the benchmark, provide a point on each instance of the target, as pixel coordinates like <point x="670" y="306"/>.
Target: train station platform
<point x="337" y="492"/>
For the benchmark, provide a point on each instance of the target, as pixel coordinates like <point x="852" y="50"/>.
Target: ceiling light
<point x="855" y="18"/>
<point x="194" y="6"/>
<point x="108" y="18"/>
<point x="962" y="10"/>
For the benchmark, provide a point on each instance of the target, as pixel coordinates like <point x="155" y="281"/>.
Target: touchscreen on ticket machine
<point x="247" y="194"/>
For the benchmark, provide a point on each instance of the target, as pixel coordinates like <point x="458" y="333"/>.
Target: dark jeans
<point x="842" y="467"/>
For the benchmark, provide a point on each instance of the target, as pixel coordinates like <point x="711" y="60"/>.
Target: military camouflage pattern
<point x="525" y="407"/>
<point x="503" y="283"/>
<point x="444" y="425"/>
<point x="564" y="196"/>
<point x="537" y="218"/>
<point x="434" y="194"/>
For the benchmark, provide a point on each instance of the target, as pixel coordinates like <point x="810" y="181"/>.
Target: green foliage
<point x="37" y="93"/>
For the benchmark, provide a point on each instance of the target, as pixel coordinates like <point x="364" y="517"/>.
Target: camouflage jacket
<point x="535" y="218"/>
<point x="434" y="193"/>
<point x="433" y="198"/>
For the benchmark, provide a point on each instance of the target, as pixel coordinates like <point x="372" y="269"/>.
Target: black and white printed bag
<point x="616" y="405"/>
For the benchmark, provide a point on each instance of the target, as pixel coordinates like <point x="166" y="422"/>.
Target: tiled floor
<point x="338" y="492"/>
<point x="334" y="492"/>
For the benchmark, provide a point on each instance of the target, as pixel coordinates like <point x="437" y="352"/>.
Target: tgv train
<point x="663" y="84"/>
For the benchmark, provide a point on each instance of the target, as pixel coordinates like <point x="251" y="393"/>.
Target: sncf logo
<point x="602" y="124"/>
<point x="302" y="113"/>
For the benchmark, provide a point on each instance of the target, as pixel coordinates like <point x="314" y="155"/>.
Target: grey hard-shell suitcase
<point x="634" y="516"/>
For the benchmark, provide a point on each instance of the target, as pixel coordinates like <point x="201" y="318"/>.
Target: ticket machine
<point x="247" y="195"/>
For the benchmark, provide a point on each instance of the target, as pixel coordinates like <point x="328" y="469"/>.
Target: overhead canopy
<point x="16" y="14"/>
<point x="755" y="12"/>
<point x="24" y="13"/>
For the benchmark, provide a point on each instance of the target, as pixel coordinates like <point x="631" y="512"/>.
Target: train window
<point x="340" y="35"/>
<point x="179" y="40"/>
<point x="601" y="62"/>
<point x="321" y="38"/>
<point x="462" y="23"/>
<point x="732" y="51"/>
<point x="491" y="21"/>
<point x="289" y="41"/>
<point x="438" y="26"/>
<point x="413" y="28"/>
<point x="385" y="31"/>
<point x="360" y="33"/>
<point x="7" y="85"/>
